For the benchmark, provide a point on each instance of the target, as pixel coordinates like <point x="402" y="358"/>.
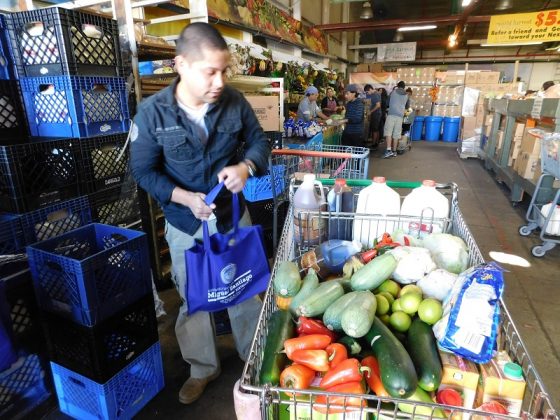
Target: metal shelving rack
<point x="512" y="110"/>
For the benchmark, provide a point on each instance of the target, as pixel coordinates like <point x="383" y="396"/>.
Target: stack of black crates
<point x="64" y="124"/>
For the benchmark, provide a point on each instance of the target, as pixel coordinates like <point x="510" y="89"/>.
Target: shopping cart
<point x="273" y="400"/>
<point x="547" y="221"/>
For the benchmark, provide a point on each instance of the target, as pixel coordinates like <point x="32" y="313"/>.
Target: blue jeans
<point x="195" y="333"/>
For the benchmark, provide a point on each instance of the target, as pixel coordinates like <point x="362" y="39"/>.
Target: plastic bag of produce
<point x="449" y="252"/>
<point x="471" y="313"/>
<point x="437" y="284"/>
<point x="413" y="263"/>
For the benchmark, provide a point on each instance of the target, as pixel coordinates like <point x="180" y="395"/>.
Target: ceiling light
<point x="452" y="40"/>
<point x="367" y="11"/>
<point x="511" y="45"/>
<point x="416" y="28"/>
<point x="504" y="5"/>
<point x="465" y="3"/>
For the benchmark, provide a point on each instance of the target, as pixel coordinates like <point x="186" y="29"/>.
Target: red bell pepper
<point x="337" y="353"/>
<point x="309" y="326"/>
<point x="318" y="360"/>
<point x="308" y="342"/>
<point x="373" y="377"/>
<point x="297" y="377"/>
<point x="345" y="403"/>
<point x="348" y="370"/>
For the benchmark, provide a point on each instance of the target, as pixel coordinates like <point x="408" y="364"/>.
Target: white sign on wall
<point x="399" y="51"/>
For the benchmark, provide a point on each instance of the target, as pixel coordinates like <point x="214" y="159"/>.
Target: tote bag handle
<point x="210" y="197"/>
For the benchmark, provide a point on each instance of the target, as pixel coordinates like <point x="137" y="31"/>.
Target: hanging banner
<point x="524" y="27"/>
<point x="400" y="51"/>
<point x="261" y="16"/>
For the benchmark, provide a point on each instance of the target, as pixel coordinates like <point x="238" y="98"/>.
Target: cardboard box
<point x="527" y="165"/>
<point x="471" y="78"/>
<point x="530" y="144"/>
<point x="489" y="77"/>
<point x="461" y="375"/>
<point x="362" y="68"/>
<point x="469" y="123"/>
<point x="267" y="110"/>
<point x="376" y="68"/>
<point x="494" y="385"/>
<point x="519" y="130"/>
<point x="499" y="138"/>
<point x="538" y="172"/>
<point x="515" y="148"/>
<point x="479" y="120"/>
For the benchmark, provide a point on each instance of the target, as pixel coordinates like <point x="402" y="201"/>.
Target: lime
<point x="385" y="319"/>
<point x="382" y="305"/>
<point x="410" y="288"/>
<point x="430" y="311"/>
<point x="390" y="286"/>
<point x="396" y="306"/>
<point x="400" y="321"/>
<point x="410" y="302"/>
<point x="388" y="296"/>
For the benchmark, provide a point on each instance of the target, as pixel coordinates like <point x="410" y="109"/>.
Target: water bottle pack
<point x="300" y="128"/>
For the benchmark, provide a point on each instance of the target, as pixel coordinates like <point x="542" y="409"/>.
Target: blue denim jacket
<point x="165" y="151"/>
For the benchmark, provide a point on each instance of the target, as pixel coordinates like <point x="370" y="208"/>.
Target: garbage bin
<point x="417" y="128"/>
<point x="451" y="129"/>
<point x="433" y="128"/>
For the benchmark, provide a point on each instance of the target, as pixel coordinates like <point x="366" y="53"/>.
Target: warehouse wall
<point x="541" y="73"/>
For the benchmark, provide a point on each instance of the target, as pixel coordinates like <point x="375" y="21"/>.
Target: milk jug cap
<point x="340" y="182"/>
<point x="513" y="370"/>
<point x="309" y="178"/>
<point x="429" y="183"/>
<point x="379" y="179"/>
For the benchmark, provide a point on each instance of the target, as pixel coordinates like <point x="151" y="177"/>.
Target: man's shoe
<point x="387" y="154"/>
<point x="193" y="388"/>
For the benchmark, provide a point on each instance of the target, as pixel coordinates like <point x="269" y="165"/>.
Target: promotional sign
<point x="524" y="27"/>
<point x="401" y="51"/>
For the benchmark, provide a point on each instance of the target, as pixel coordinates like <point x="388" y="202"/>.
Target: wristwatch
<point x="250" y="167"/>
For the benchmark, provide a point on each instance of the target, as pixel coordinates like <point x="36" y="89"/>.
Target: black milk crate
<point x="56" y="219"/>
<point x="11" y="234"/>
<point x="6" y="57"/>
<point x="33" y="175"/>
<point x="103" y="162"/>
<point x="116" y="206"/>
<point x="274" y="139"/>
<point x="12" y="120"/>
<point x="100" y="351"/>
<point x="262" y="213"/>
<point x="121" y="397"/>
<point x="56" y="41"/>
<point x="75" y="106"/>
<point x="90" y="273"/>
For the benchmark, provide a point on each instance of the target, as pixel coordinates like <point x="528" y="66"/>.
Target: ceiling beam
<point x="372" y="25"/>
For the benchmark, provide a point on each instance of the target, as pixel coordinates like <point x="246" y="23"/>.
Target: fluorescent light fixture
<point x="367" y="11"/>
<point x="465" y="3"/>
<point x="416" y="28"/>
<point x="511" y="45"/>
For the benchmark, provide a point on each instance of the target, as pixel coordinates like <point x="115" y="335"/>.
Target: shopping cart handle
<point x="367" y="182"/>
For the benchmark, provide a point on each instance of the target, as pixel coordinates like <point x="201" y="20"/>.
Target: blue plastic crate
<point x="56" y="219"/>
<point x="259" y="188"/>
<point x="121" y="397"/>
<point x="75" y="106"/>
<point x="23" y="387"/>
<point x="6" y="58"/>
<point x="90" y="273"/>
<point x="11" y="235"/>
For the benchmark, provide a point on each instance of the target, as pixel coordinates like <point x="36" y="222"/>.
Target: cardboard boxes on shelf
<point x="267" y="111"/>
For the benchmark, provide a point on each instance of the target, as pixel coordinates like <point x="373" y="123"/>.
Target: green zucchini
<point x="333" y="314"/>
<point x="310" y="283"/>
<point x="352" y="345"/>
<point x="287" y="280"/>
<point x="421" y="396"/>
<point x="280" y="328"/>
<point x="395" y="365"/>
<point x="321" y="298"/>
<point x="375" y="272"/>
<point x="357" y="319"/>
<point x="345" y="283"/>
<point x="422" y="348"/>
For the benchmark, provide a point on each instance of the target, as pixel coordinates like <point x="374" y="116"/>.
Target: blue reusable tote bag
<point x="226" y="268"/>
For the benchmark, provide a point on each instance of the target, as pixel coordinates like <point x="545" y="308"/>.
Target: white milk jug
<point x="381" y="200"/>
<point x="553" y="227"/>
<point x="429" y="205"/>
<point x="309" y="229"/>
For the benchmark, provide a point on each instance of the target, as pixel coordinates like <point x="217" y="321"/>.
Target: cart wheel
<point x="538" y="251"/>
<point x="400" y="152"/>
<point x="524" y="230"/>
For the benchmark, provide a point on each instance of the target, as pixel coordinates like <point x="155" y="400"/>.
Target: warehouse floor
<point x="531" y="293"/>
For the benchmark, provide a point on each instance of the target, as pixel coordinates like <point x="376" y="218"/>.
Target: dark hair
<point x="409" y="90"/>
<point x="196" y="37"/>
<point x="401" y="85"/>
<point x="548" y="84"/>
<point x="368" y="87"/>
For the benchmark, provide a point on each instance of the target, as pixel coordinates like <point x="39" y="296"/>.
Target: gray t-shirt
<point x="307" y="110"/>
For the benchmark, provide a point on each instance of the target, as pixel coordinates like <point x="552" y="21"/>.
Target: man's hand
<point x="194" y="201"/>
<point x="234" y="177"/>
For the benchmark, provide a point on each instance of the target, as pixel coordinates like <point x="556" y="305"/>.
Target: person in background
<point x="184" y="141"/>
<point x="329" y="104"/>
<point x="398" y="102"/>
<point x="374" y="114"/>
<point x="353" y="134"/>
<point x="307" y="108"/>
<point x="546" y="85"/>
<point x="384" y="106"/>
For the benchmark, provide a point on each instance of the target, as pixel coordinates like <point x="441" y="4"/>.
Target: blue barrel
<point x="451" y="129"/>
<point x="433" y="128"/>
<point x="417" y="128"/>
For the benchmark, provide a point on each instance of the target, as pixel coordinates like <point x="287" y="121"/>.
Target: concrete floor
<point x="531" y="294"/>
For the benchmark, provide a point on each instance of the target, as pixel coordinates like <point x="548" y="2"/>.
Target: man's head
<point x="368" y="88"/>
<point x="311" y="93"/>
<point x="548" y="84"/>
<point x="401" y="85"/>
<point x="201" y="62"/>
<point x="330" y="92"/>
<point x="351" y="91"/>
<point x="408" y="91"/>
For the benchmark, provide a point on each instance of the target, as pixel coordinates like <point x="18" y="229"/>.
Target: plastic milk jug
<point x="380" y="200"/>
<point x="428" y="204"/>
<point x="340" y="199"/>
<point x="553" y="226"/>
<point x="309" y="229"/>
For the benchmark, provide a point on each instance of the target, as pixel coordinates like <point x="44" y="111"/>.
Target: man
<point x="398" y="102"/>
<point x="307" y="108"/>
<point x="329" y="104"/>
<point x="185" y="140"/>
<point x="353" y="134"/>
<point x="374" y="114"/>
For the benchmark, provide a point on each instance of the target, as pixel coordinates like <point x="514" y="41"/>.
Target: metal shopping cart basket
<point x="547" y="220"/>
<point x="274" y="402"/>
